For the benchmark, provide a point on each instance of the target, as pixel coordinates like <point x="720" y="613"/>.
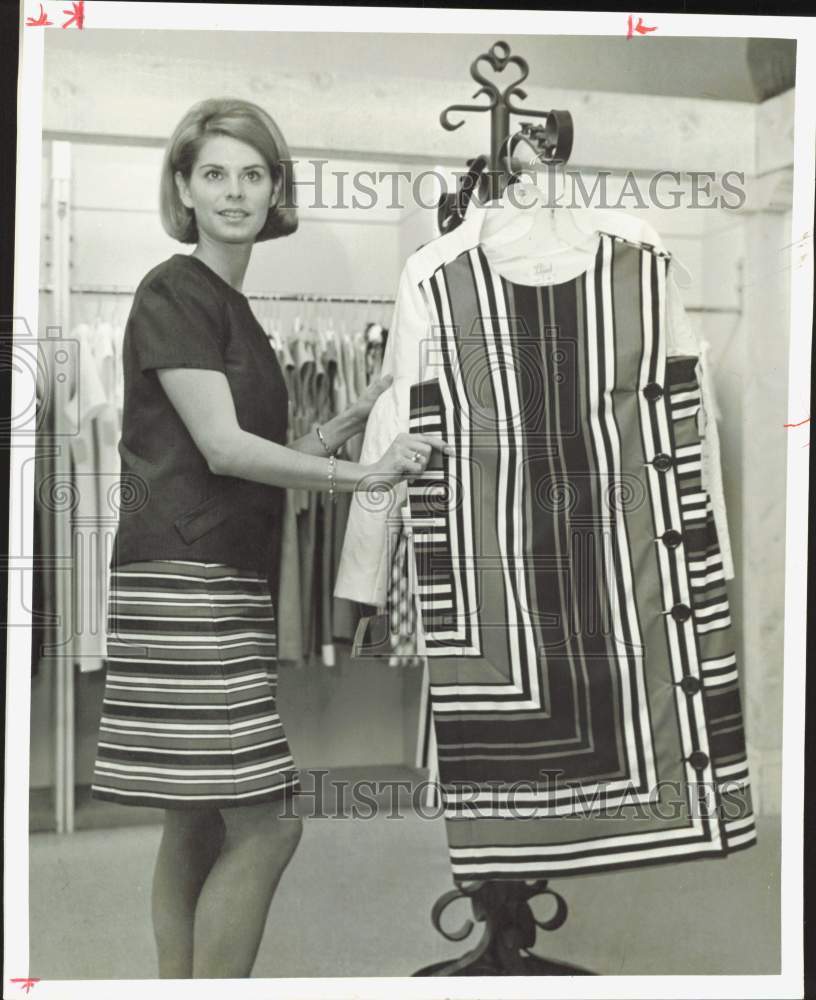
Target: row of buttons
<point x="662" y="462"/>
<point x="680" y="612"/>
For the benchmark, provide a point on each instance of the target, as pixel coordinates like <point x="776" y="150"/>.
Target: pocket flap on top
<point x="201" y="519"/>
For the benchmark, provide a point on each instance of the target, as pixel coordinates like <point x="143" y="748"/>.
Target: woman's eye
<point x="212" y="173"/>
<point x="254" y="175"/>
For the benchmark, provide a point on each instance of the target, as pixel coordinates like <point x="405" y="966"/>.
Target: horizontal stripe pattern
<point x="189" y="717"/>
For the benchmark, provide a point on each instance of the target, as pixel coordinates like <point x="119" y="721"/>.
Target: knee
<point x="281" y="835"/>
<point x="288" y="831"/>
<point x="265" y="829"/>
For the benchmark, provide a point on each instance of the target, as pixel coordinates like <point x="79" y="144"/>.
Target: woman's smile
<point x="234" y="214"/>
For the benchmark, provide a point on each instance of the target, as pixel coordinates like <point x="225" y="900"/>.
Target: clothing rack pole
<point x="258" y="296"/>
<point x="339" y="299"/>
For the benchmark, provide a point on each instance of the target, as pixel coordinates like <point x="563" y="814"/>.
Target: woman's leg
<point x="190" y="843"/>
<point x="233" y="905"/>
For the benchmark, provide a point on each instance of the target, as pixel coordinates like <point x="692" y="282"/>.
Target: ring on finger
<point x="417" y="457"/>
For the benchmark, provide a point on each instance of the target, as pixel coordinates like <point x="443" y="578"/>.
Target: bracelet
<point x="322" y="440"/>
<point x="332" y="478"/>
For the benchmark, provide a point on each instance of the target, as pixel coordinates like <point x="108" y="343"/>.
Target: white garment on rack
<point x="350" y="346"/>
<point x="364" y="572"/>
<point x="96" y="469"/>
<point x="341" y="390"/>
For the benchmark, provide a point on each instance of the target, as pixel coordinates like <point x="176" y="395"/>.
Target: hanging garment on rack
<point x="340" y="401"/>
<point x="287" y="583"/>
<point x="324" y="524"/>
<point x="319" y="365"/>
<point x="570" y="585"/>
<point x="307" y="517"/>
<point x="361" y="366"/>
<point x="44" y="612"/>
<point x="95" y="468"/>
<point x="299" y="355"/>
<point x="350" y="349"/>
<point x="375" y="338"/>
<point x="344" y="613"/>
<point x="402" y="613"/>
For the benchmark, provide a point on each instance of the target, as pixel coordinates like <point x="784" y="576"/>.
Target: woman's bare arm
<point x="345" y="425"/>
<point x="203" y="400"/>
<point x="335" y="433"/>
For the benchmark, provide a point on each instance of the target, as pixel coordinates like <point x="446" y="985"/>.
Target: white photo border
<point x="185" y="17"/>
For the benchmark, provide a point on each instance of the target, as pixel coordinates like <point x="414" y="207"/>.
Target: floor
<point x="356" y="901"/>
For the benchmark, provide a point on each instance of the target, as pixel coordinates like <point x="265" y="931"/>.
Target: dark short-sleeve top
<point x="172" y="506"/>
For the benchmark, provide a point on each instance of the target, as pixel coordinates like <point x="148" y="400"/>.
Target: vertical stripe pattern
<point x="568" y="576"/>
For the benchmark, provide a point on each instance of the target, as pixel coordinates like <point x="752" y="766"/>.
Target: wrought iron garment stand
<point x="503" y="906"/>
<point x="488" y="175"/>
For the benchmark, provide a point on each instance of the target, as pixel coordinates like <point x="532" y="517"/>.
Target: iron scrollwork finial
<point x="498" y="57"/>
<point x="552" y="140"/>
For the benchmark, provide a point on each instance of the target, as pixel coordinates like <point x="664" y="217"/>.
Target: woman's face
<point x="230" y="190"/>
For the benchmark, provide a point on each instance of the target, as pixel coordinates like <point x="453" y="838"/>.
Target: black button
<point x="691" y="685"/>
<point x="653" y="391"/>
<point x="671" y="538"/>
<point x="662" y="462"/>
<point x="698" y="760"/>
<point x="681" y="612"/>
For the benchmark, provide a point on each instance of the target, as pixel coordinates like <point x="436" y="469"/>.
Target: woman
<point x="189" y="721"/>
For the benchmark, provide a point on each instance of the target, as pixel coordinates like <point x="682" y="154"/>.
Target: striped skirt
<point x="189" y="718"/>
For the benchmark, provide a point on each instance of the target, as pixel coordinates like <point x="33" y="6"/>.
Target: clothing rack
<point x="340" y="299"/>
<point x="255" y="296"/>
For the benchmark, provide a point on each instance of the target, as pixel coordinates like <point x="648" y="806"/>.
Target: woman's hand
<point x="362" y="407"/>
<point x="408" y="455"/>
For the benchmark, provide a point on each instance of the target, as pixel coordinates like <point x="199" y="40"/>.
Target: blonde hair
<point x="240" y="120"/>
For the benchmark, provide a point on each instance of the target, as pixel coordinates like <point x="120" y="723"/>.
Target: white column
<point x="64" y="665"/>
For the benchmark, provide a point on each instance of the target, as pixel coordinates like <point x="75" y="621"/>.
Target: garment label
<point x="542" y="272"/>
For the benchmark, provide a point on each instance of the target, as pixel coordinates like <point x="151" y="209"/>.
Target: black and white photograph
<point x="408" y="475"/>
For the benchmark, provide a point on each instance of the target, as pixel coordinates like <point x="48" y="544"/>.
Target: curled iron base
<point x="509" y="934"/>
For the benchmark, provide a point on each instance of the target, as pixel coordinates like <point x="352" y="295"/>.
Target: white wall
<point x="118" y="235"/>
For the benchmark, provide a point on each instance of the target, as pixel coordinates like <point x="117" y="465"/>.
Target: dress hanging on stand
<point x="569" y="579"/>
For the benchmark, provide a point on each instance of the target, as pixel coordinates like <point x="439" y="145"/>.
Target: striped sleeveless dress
<point x="570" y="588"/>
<point x="189" y="717"/>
